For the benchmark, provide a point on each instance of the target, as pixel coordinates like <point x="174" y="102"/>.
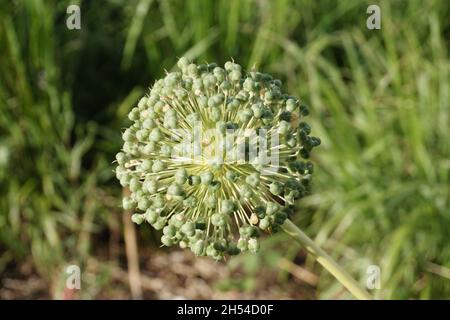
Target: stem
<point x="131" y="248"/>
<point x="326" y="261"/>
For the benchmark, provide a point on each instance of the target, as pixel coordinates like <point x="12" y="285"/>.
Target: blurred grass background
<point x="379" y="101"/>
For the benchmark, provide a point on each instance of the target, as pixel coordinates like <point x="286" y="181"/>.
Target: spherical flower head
<point x="214" y="157"/>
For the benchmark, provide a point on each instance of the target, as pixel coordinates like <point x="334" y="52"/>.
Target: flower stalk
<point x="326" y="261"/>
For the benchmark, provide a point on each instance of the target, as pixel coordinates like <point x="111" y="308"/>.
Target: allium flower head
<point x="214" y="156"/>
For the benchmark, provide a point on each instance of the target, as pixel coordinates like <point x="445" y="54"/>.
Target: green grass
<point x="379" y="100"/>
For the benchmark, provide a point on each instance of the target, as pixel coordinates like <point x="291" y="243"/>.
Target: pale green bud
<point x="276" y="188"/>
<point x="158" y="166"/>
<point x="181" y="176"/>
<point x="228" y="206"/>
<point x="137" y="218"/>
<point x="207" y="177"/>
<point x="253" y="245"/>
<point x="253" y="179"/>
<point x="155" y="135"/>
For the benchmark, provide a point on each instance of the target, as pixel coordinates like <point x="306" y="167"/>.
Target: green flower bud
<point x="192" y="70"/>
<point x="155" y="135"/>
<point x="211" y="66"/>
<point x="291" y="142"/>
<point x="242" y="245"/>
<point x="142" y="134"/>
<point x="170" y="230"/>
<point x="260" y="212"/>
<point x="190" y="202"/>
<point x="286" y="116"/>
<point x="219" y="220"/>
<point x="178" y="220"/>
<point x="220" y="245"/>
<point x="232" y="249"/>
<point x="209" y="81"/>
<point x="207" y="177"/>
<point x="216" y="114"/>
<point x="276" y="188"/>
<point x="167" y="240"/>
<point x="232" y="176"/>
<point x="158" y="166"/>
<point x="219" y="73"/>
<point x="253" y="245"/>
<point x="280" y="217"/>
<point x="228" y="65"/>
<point x="193" y="118"/>
<point x="142" y="102"/>
<point x="146" y="165"/>
<point x="166" y="150"/>
<point x="215" y="101"/>
<point x="134" y="114"/>
<point x="138" y="195"/>
<point x="253" y="179"/>
<point x="258" y="110"/>
<point x="121" y="158"/>
<point x="245" y="115"/>
<point x="304" y="153"/>
<point x="124" y="180"/>
<point x="128" y="203"/>
<point x="292" y="196"/>
<point x="264" y="223"/>
<point x="194" y="180"/>
<point x="249" y="84"/>
<point x="198" y="248"/>
<point x="183" y="63"/>
<point x="170" y="122"/>
<point x="149" y="148"/>
<point x="154" y="96"/>
<point x="304" y="110"/>
<point x="225" y="85"/>
<point x="246" y="191"/>
<point x="307" y="167"/>
<point x="200" y="224"/>
<point x="284" y="127"/>
<point x="137" y="218"/>
<point x="211" y="251"/>
<point x="242" y="95"/>
<point x="235" y="75"/>
<point x="277" y="83"/>
<point x="181" y="176"/>
<point x="233" y="104"/>
<point x="175" y="190"/>
<point x="244" y="231"/>
<point x="272" y="207"/>
<point x="134" y="185"/>
<point x="151" y="215"/>
<point x="303" y="126"/>
<point x="158" y="201"/>
<point x="143" y="204"/>
<point x="188" y="228"/>
<point x="150" y="186"/>
<point x="228" y="206"/>
<point x="128" y="135"/>
<point x="160" y="223"/>
<point x="183" y="244"/>
<point x="214" y="186"/>
<point x="291" y="105"/>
